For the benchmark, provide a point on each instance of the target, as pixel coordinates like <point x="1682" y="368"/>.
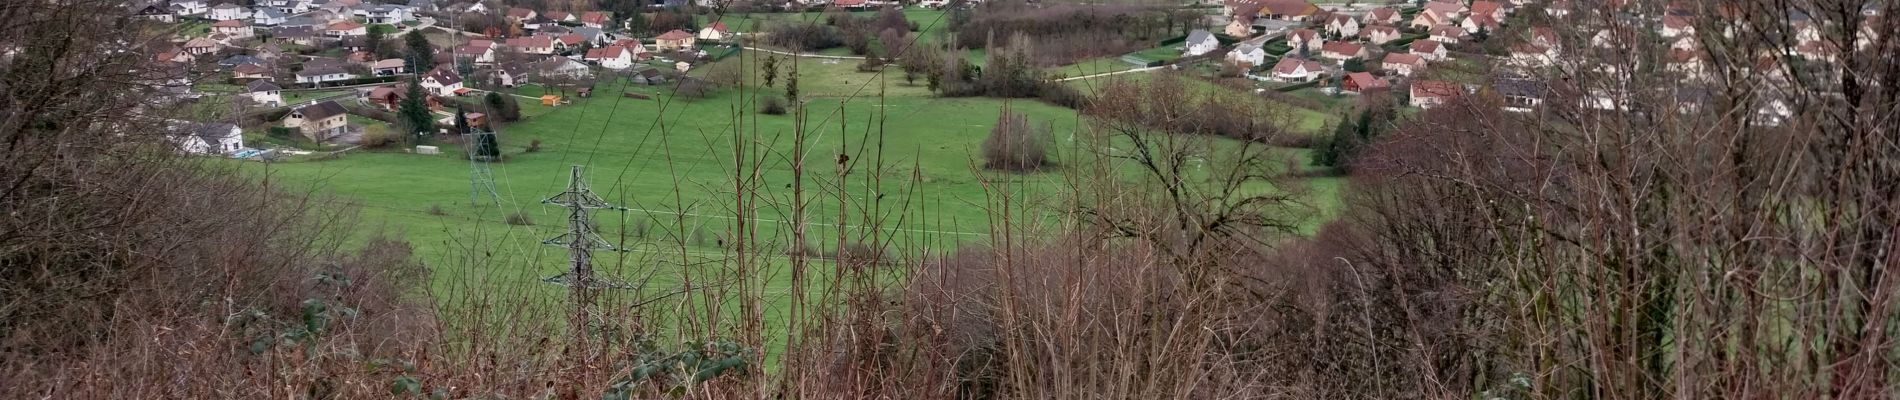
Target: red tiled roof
<point x="1438" y="89"/>
<point x="1289" y="65"/>
<point x="1365" y="81"/>
<point x="229" y="23"/>
<point x="675" y="35"/>
<point x="1425" y="46"/>
<point x="345" y="26"/>
<point x="1342" y="47"/>
<point x="531" y="42"/>
<point x="1404" y="58"/>
<point x="595" y="17"/>
<point x="606" y="52"/>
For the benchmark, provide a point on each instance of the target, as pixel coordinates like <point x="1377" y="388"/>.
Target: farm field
<point x="910" y="168"/>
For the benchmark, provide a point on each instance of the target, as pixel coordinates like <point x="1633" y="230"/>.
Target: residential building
<point x="202" y="46"/>
<point x="1429" y="49"/>
<point x="1403" y="64"/>
<point x="674" y="40"/>
<point x="319" y="76"/>
<point x="1307" y="38"/>
<point x="1427" y="94"/>
<point x="611" y="57"/>
<point x="1297" y="70"/>
<point x="596" y="19"/>
<point x="716" y="32"/>
<point x="1380" y="34"/>
<point x="190" y="7"/>
<point x="443" y="81"/>
<point x="320" y="121"/>
<point x="227" y="12"/>
<point x="265" y="92"/>
<point x="1383" y="16"/>
<point x="1343" y="25"/>
<point x="232" y="28"/>
<point x="345" y="29"/>
<point x="250" y="71"/>
<point x="389" y="14"/>
<point x="1247" y="55"/>
<point x="209" y="138"/>
<point x="156" y="12"/>
<point x="1448" y="34"/>
<point x="542" y="45"/>
<point x="388" y="67"/>
<point x="520" y="15"/>
<point x="1361" y="82"/>
<point x="1199" y="42"/>
<point x="1342" y="51"/>
<point x="268" y="17"/>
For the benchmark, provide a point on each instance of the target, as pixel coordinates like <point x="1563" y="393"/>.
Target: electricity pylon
<point x="580" y="242"/>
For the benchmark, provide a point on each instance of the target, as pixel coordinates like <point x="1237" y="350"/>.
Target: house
<point x="250" y="71"/>
<point x="558" y="16"/>
<point x="345" y="29"/>
<point x="633" y="46"/>
<point x="202" y="46"/>
<point x="563" y="67"/>
<point x="478" y="53"/>
<point x="1447" y="34"/>
<point x="1383" y="16"/>
<point x="156" y="13"/>
<point x="190" y="7"/>
<point x="1429" y="49"/>
<point x="470" y="7"/>
<point x="443" y="82"/>
<point x="233" y="28"/>
<point x="387" y="67"/>
<point x="1239" y="26"/>
<point x="1490" y="9"/>
<point x="227" y="12"/>
<point x="267" y="17"/>
<point x="265" y="92"/>
<point x="209" y="138"/>
<point x="1429" y="18"/>
<point x="389" y="14"/>
<point x="1674" y="26"/>
<point x="1544" y="36"/>
<point x="596" y="19"/>
<point x="320" y="121"/>
<point x="1287" y="10"/>
<point x="1247" y="55"/>
<point x="611" y="57"/>
<point x="422" y="5"/>
<point x="1481" y="23"/>
<point x="593" y="35"/>
<point x="512" y="74"/>
<point x="317" y="76"/>
<point x="1307" y="38"/>
<point x="1428" y="94"/>
<point x="1361" y="82"/>
<point x="304" y="36"/>
<point x="674" y="40"/>
<point x="1199" y="42"/>
<point x="1297" y="70"/>
<point x="649" y="76"/>
<point x="1403" y="64"/>
<point x="1380" y="34"/>
<point x="1447" y="9"/>
<point x="1343" y="25"/>
<point x="532" y="45"/>
<point x="716" y="32"/>
<point x="1557" y="8"/>
<point x="1519" y="93"/>
<point x="568" y="42"/>
<point x="1688" y="64"/>
<point x="337" y="9"/>
<point x="1342" y="51"/>
<point x="176" y="56"/>
<point x="848" y="4"/>
<point x="390" y="97"/>
<point x="1811" y="50"/>
<point x="520" y="15"/>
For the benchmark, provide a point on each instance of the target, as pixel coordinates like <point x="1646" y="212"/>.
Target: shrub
<point x="533" y="146"/>
<point x="436" y="209"/>
<point x="378" y="136"/>
<point x="1015" y="145"/>
<point x="803" y="36"/>
<point x="772" y="105"/>
<point x="518" y="219"/>
<point x="694" y="88"/>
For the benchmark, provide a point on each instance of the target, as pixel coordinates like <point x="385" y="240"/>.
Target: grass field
<point x="912" y="172"/>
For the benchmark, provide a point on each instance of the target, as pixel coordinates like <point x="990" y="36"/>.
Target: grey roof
<point x="301" y="21"/>
<point x="268" y="12"/>
<point x="586" y="32"/>
<point x="320" y="71"/>
<point x="261" y="86"/>
<point x="322" y="110"/>
<point x="445" y="76"/>
<point x="1520" y="86"/>
<point x="422" y="4"/>
<point x="324" y="63"/>
<point x="240" y="59"/>
<point x="212" y="131"/>
<point x="1246" y="48"/>
<point x="1199" y="35"/>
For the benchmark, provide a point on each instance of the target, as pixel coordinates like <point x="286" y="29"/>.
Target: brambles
<point x="518" y="219"/>
<point x="771" y="105"/>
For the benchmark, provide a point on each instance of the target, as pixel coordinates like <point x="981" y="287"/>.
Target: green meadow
<point x="883" y="162"/>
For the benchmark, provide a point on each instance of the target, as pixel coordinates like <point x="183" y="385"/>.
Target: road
<point x="807" y="55"/>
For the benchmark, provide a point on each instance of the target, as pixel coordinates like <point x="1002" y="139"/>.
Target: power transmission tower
<point x="580" y="242"/>
<point x="481" y="180"/>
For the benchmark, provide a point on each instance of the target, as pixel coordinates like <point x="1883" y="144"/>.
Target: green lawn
<point x="912" y="163"/>
<point x="195" y="29"/>
<point x="1164" y="53"/>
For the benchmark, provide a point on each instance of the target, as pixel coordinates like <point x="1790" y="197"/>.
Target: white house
<point x="226" y="12"/>
<point x="1343" y="25"/>
<point x="190" y="7"/>
<point x="209" y="138"/>
<point x="532" y="45"/>
<point x="1377" y="34"/>
<point x="345" y="29"/>
<point x="442" y="82"/>
<point x="1429" y="49"/>
<point x="264" y="92"/>
<point x="1428" y="94"/>
<point x="715" y="32"/>
<point x="318" y="76"/>
<point x="1308" y="37"/>
<point x="1200" y="42"/>
<point x="477" y="53"/>
<point x="267" y="17"/>
<point x="611" y="57"/>
<point x="1247" y="54"/>
<point x="389" y="14"/>
<point x="1296" y="70"/>
<point x="1403" y="64"/>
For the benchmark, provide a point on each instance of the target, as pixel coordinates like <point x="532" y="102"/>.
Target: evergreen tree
<point x="373" y="42"/>
<point x="768" y="70"/>
<point x="486" y="146"/>
<point x="791" y="86"/>
<point x="1306" y="53"/>
<point x="414" y="111"/>
<point x="421" y="56"/>
<point x="1337" y="149"/>
<point x="461" y="121"/>
<point x="1355" y="65"/>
